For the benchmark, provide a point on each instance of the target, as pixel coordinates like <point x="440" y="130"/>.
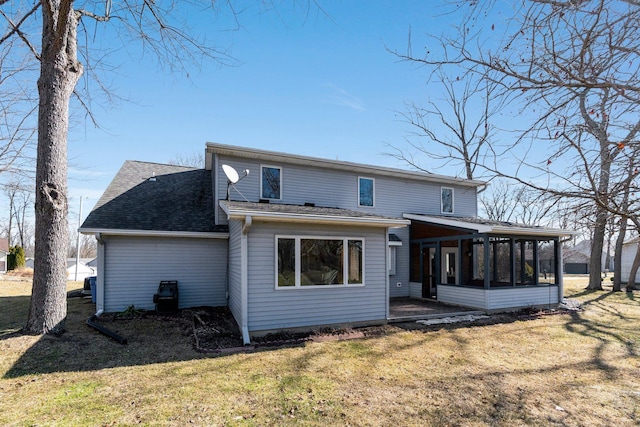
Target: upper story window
<point x="446" y="197"/>
<point x="270" y="182"/>
<point x="366" y="191"/>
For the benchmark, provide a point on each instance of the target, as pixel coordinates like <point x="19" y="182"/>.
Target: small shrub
<point x="16" y="258"/>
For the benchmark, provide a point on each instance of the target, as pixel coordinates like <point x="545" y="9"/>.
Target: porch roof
<point x="306" y="214"/>
<point x="487" y="226"/>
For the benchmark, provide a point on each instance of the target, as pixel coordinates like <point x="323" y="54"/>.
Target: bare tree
<point x="193" y="159"/>
<point x="57" y="53"/>
<point x="571" y="67"/>
<point x="457" y="129"/>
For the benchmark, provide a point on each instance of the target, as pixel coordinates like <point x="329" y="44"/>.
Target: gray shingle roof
<point x="152" y="196"/>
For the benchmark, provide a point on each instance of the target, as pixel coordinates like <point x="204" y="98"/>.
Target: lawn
<point x="572" y="369"/>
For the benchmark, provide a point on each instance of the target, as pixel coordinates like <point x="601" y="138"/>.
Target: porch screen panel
<point x="501" y="262"/>
<point x="524" y="262"/>
<point x="414" y="273"/>
<point x="478" y="261"/>
<point x="546" y="262"/>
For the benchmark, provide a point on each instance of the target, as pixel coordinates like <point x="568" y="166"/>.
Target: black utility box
<point x="166" y="300"/>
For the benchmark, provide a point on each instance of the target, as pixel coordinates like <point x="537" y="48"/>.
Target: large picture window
<point x="271" y="182"/>
<point x="366" y="192"/>
<point x="312" y="261"/>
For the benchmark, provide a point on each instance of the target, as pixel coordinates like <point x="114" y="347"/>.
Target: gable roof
<point x="306" y="214"/>
<point x="273" y="156"/>
<point x="481" y="225"/>
<point x="155" y="197"/>
<point x="4" y="245"/>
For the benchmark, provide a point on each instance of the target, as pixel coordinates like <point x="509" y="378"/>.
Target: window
<point x="271" y="182"/>
<point x="366" y="190"/>
<point x="313" y="261"/>
<point x="446" y="199"/>
<point x="392" y="261"/>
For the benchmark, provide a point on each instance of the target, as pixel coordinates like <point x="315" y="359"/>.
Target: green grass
<point x="566" y="370"/>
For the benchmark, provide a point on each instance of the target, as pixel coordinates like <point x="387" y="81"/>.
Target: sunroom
<point x="482" y="264"/>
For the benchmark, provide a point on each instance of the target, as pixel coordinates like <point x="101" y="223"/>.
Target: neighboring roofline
<point x="273" y="156"/>
<point x="306" y="218"/>
<point x="156" y="233"/>
<point x="489" y="228"/>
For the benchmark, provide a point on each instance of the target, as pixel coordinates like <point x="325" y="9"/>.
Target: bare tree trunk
<point x="595" y="262"/>
<point x="59" y="73"/>
<point x="617" y="260"/>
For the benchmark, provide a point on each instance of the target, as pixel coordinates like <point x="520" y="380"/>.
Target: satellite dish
<point x="231" y="173"/>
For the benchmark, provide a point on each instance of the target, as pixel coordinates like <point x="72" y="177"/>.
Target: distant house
<point x="629" y="249"/>
<point x="297" y="241"/>
<point x="84" y="269"/>
<point x="4" y="251"/>
<point x="576" y="258"/>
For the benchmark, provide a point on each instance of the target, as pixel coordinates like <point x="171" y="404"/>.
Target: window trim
<point x="345" y="262"/>
<point x="373" y="191"/>
<point x="392" y="260"/>
<point x="262" y="166"/>
<point x="453" y="209"/>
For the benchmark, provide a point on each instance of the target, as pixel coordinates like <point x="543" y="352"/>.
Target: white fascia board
<point x="155" y="233"/>
<point x="273" y="156"/>
<point x="392" y="243"/>
<point x="314" y="219"/>
<point x="497" y="229"/>
<point x="480" y="228"/>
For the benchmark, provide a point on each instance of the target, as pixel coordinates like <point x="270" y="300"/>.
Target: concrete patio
<point x="404" y="309"/>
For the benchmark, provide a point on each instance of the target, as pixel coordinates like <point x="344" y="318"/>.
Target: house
<point x="629" y="249"/>
<point x="4" y="251"/>
<point x="299" y="241"/>
<point x="84" y="268"/>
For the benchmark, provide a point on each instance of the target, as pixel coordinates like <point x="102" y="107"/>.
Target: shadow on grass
<point x="13" y="315"/>
<point x="81" y="348"/>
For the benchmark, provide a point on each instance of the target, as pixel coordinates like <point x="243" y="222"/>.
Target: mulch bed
<point x="214" y="329"/>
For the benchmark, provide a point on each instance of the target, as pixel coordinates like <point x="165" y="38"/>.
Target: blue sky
<point x="307" y="83"/>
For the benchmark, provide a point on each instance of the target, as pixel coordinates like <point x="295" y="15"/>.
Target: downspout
<point x="100" y="275"/>
<point x="386" y="257"/>
<point x="244" y="280"/>
<point x="559" y="272"/>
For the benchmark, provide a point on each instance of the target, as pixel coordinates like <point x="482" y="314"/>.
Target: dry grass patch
<point x="566" y="370"/>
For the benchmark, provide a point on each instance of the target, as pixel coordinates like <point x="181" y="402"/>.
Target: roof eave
<point x="312" y="218"/>
<point x="493" y="229"/>
<point x="156" y="233"/>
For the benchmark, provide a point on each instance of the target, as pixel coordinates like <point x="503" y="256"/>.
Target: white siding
<point x="286" y="308"/>
<point x="134" y="266"/>
<point x="628" y="253"/>
<point x="334" y="188"/>
<point x="498" y="298"/>
<point x="533" y="296"/>
<point x="402" y="265"/>
<point x="463" y="296"/>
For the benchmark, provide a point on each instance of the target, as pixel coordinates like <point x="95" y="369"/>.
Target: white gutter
<point x="102" y="246"/>
<point x="155" y="233"/>
<point x="313" y="218"/>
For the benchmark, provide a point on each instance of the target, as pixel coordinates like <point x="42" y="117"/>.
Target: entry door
<point x="428" y="272"/>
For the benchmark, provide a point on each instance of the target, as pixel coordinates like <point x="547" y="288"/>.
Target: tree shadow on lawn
<point x="606" y="331"/>
<point x="151" y="339"/>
